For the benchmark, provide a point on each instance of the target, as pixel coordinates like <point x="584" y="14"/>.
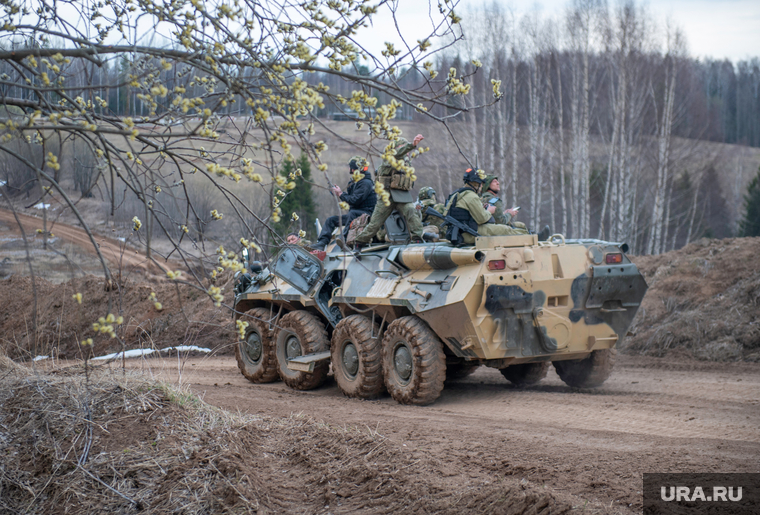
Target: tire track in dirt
<point x="113" y="251"/>
<point x="673" y="410"/>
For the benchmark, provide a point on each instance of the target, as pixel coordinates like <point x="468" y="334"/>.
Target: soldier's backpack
<point x="356" y="227"/>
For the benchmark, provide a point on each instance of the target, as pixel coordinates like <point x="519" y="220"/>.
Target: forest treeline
<point x="601" y="125"/>
<point x="599" y="130"/>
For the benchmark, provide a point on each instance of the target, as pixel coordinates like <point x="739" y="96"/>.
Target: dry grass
<point x="122" y="444"/>
<point x="703" y="300"/>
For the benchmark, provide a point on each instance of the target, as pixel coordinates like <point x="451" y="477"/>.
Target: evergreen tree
<point x="299" y="200"/>
<point x="750" y="226"/>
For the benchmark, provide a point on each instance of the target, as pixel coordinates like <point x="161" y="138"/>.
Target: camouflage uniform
<point x="382" y="212"/>
<point x="490" y="198"/>
<point x="467" y="199"/>
<point x="431" y="224"/>
<point x="426" y="199"/>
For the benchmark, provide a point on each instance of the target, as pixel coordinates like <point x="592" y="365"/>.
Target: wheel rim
<point x="403" y="363"/>
<point x="254" y="347"/>
<point x="350" y="360"/>
<point x="292" y="347"/>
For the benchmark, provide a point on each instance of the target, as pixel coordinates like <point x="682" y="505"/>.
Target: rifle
<point x="456" y="226"/>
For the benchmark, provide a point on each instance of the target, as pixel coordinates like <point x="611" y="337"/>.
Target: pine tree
<point x="299" y="200"/>
<point x="750" y="226"/>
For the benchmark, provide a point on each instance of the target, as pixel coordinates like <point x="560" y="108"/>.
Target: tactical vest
<point x="460" y="214"/>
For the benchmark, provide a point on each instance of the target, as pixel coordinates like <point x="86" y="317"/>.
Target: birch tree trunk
<point x="533" y="137"/>
<point x="514" y="129"/>
<point x="663" y="155"/>
<point x="561" y="124"/>
<point x="585" y="143"/>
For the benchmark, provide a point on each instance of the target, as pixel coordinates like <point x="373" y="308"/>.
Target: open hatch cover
<point x="298" y="267"/>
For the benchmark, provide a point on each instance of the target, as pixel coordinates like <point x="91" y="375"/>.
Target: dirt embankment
<point x="128" y="445"/>
<point x="703" y="300"/>
<point x="188" y="316"/>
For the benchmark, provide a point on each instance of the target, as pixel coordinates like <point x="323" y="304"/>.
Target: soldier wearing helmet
<point x="359" y="195"/>
<point x="426" y="193"/>
<point x="401" y="199"/>
<point x="490" y="197"/>
<point x="466" y="206"/>
<point x="425" y="199"/>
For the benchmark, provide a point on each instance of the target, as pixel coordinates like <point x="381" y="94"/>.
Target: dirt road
<point x="112" y="250"/>
<point x="587" y="445"/>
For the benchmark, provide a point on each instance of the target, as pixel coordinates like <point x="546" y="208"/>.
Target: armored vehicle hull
<point x="406" y="318"/>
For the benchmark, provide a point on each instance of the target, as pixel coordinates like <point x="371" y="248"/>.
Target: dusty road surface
<point x="112" y="250"/>
<point x="589" y="445"/>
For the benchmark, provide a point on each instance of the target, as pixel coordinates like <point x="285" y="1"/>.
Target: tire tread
<point x="430" y="362"/>
<point x="267" y="372"/>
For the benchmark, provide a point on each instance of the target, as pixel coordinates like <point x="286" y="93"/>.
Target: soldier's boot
<point x="358" y="249"/>
<point x="429" y="236"/>
<point x="321" y="244"/>
<point x="342" y="245"/>
<point x="545" y="233"/>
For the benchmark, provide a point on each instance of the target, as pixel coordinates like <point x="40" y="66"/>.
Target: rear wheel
<point x="357" y="358"/>
<point x="300" y="333"/>
<point x="413" y="362"/>
<point x="589" y="372"/>
<point x="255" y="354"/>
<point x="525" y="374"/>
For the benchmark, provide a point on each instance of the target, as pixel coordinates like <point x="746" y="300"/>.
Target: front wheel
<point x="300" y="333"/>
<point x="413" y="362"/>
<point x="589" y="372"/>
<point x="255" y="354"/>
<point x="357" y="358"/>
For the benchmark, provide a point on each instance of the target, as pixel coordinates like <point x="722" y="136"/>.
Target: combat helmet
<point x="475" y="176"/>
<point x="426" y="193"/>
<point x="488" y="180"/>
<point x="358" y="163"/>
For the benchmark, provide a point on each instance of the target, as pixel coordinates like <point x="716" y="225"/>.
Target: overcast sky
<point x="714" y="28"/>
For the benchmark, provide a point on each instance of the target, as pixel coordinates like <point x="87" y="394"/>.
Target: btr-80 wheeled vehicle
<point x="407" y="317"/>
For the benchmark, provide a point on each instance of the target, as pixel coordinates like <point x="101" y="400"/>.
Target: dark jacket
<point x="361" y="195"/>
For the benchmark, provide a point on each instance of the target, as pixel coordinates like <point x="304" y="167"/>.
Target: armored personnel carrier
<point x="408" y="317"/>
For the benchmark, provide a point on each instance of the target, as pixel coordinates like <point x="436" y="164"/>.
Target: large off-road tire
<point x="589" y="372"/>
<point x="357" y="358"/>
<point x="300" y="333"/>
<point x="525" y="374"/>
<point x="459" y="370"/>
<point x="255" y="354"/>
<point x="413" y="362"/>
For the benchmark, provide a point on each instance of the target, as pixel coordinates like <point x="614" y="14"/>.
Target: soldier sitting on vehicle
<point x="465" y="206"/>
<point x="490" y="197"/>
<point x="398" y="185"/>
<point x="360" y="197"/>
<point x="295" y="239"/>
<point x="430" y="224"/>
